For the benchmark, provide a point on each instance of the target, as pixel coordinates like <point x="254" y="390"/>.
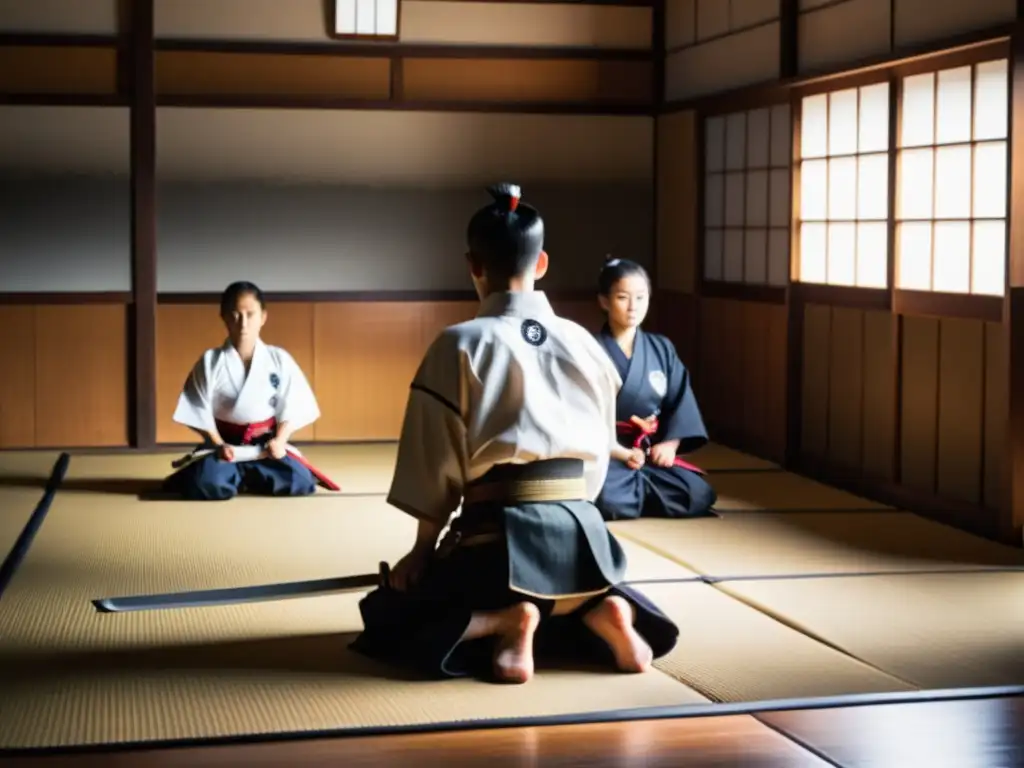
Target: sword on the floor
<point x="235" y="595"/>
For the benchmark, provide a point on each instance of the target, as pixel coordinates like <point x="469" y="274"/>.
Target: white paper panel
<point x="77" y="140"/>
<point x="714" y="200"/>
<point x="712" y="18"/>
<point x="758" y="138"/>
<point x="991" y="92"/>
<point x="919" y="21"/>
<point x="953" y="105"/>
<point x="71" y="17"/>
<point x="989" y="275"/>
<point x="813" y="249"/>
<point x="713" y="245"/>
<point x="746" y="13"/>
<point x="872" y="247"/>
<point x="843" y="34"/>
<point x="755" y="256"/>
<point x="680" y="23"/>
<point x="736" y="140"/>
<point x="782" y="137"/>
<point x="744" y="58"/>
<point x="778" y="256"/>
<point x="735" y="199"/>
<point x="757" y="199"/>
<point x="714" y="144"/>
<point x="732" y="261"/>
<point x="779" y="202"/>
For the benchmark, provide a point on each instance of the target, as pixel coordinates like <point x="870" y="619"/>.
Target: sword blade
<point x="237" y="595"/>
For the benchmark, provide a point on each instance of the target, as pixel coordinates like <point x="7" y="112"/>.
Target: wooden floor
<point x="985" y="733"/>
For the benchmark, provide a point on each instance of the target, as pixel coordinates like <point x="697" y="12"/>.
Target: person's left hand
<point x="663" y="455"/>
<point x="276" y="448"/>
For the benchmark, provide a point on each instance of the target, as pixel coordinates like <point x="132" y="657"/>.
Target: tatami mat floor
<point x="797" y="592"/>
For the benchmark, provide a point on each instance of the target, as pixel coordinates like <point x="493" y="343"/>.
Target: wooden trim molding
<point x="142" y="312"/>
<point x="841" y="296"/>
<point x="39" y="298"/>
<point x="973" y="46"/>
<point x="325" y="297"/>
<point x="767" y="294"/>
<point x="935" y="304"/>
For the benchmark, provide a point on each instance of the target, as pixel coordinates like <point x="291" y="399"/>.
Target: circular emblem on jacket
<point x="533" y="332"/>
<point x="659" y="383"/>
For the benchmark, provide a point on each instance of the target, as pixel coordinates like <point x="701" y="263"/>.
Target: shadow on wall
<point x="72" y="233"/>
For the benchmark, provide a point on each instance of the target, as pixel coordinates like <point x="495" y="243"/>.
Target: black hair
<point x="616" y="269"/>
<point x="237" y="290"/>
<point x="506" y="237"/>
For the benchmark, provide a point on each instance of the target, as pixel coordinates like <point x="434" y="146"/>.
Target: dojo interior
<point x="821" y="191"/>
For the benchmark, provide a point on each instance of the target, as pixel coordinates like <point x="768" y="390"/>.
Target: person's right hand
<point x="225" y="452"/>
<point x="636" y="459"/>
<point x="408" y="570"/>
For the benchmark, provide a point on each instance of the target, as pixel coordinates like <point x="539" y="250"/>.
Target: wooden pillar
<point x="142" y="310"/>
<point x="789" y="34"/>
<point x="1012" y="512"/>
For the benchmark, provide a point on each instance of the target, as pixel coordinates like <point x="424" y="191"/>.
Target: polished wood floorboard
<point x="706" y="742"/>
<point x="985" y="733"/>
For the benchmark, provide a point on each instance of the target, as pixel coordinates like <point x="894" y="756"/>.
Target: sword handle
<point x="384" y="579"/>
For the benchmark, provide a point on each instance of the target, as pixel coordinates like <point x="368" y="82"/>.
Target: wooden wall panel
<point x="526" y="80"/>
<point x="18" y="382"/>
<point x="61" y="17"/>
<point x="185" y="331"/>
<point x="365" y="356"/>
<point x="81" y="396"/>
<point x="815" y="385"/>
<point x="724" y="63"/>
<point x="58" y="69"/>
<point x="997" y="401"/>
<point x="676" y="217"/>
<point x="740" y="381"/>
<point x="845" y="388"/>
<point x="843" y="33"/>
<point x="961" y="395"/>
<point x="586" y="313"/>
<point x="879" y="374"/>
<point x="919" y="402"/>
<point x="266" y="74"/>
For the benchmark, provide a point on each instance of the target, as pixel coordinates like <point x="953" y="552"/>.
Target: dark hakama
<point x="498" y="554"/>
<point x="655" y="385"/>
<point x="210" y="479"/>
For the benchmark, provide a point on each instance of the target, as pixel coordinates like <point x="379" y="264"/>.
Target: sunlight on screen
<point x="990" y="180"/>
<point x="991" y="93"/>
<point x="732" y="258"/>
<point x="953" y="182"/>
<point x="714" y="200"/>
<point x="758" y="127"/>
<point x="779" y="199"/>
<point x="873" y="187"/>
<point x="951" y="272"/>
<point x="918" y="114"/>
<point x="953" y="107"/>
<point x="366" y="17"/>
<point x="915" y="184"/>
<point x="814" y="126"/>
<point x="989" y="267"/>
<point x="914" y="266"/>
<point x="842" y="254"/>
<point x="757" y="199"/>
<point x="736" y="141"/>
<point x="872" y="249"/>
<point x="714" y="144"/>
<point x="345" y="17"/>
<point x="713" y="244"/>
<point x="778" y="256"/>
<point x="842" y="188"/>
<point x="813" y="189"/>
<point x="874" y="118"/>
<point x="387" y="17"/>
<point x="755" y="256"/>
<point x="813" y="245"/>
<point x="842" y="122"/>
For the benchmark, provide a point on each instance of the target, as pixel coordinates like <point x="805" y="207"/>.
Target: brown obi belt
<point x="549" y="480"/>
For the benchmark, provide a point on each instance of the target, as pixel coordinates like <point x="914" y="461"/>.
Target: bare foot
<point x="612" y="621"/>
<point x="513" y="657"/>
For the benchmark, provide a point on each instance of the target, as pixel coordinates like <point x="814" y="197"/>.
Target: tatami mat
<point x="730" y="652"/>
<point x="16" y="507"/>
<point x="747" y="546"/>
<point x="782" y="491"/>
<point x="72" y="676"/>
<point x="935" y="631"/>
<point x="19" y="468"/>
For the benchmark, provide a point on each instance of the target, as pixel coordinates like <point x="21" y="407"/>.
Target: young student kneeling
<point x="513" y="415"/>
<point x="243" y="395"/>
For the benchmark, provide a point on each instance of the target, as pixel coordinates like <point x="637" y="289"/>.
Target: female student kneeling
<point x="656" y="411"/>
<point x="245" y="398"/>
